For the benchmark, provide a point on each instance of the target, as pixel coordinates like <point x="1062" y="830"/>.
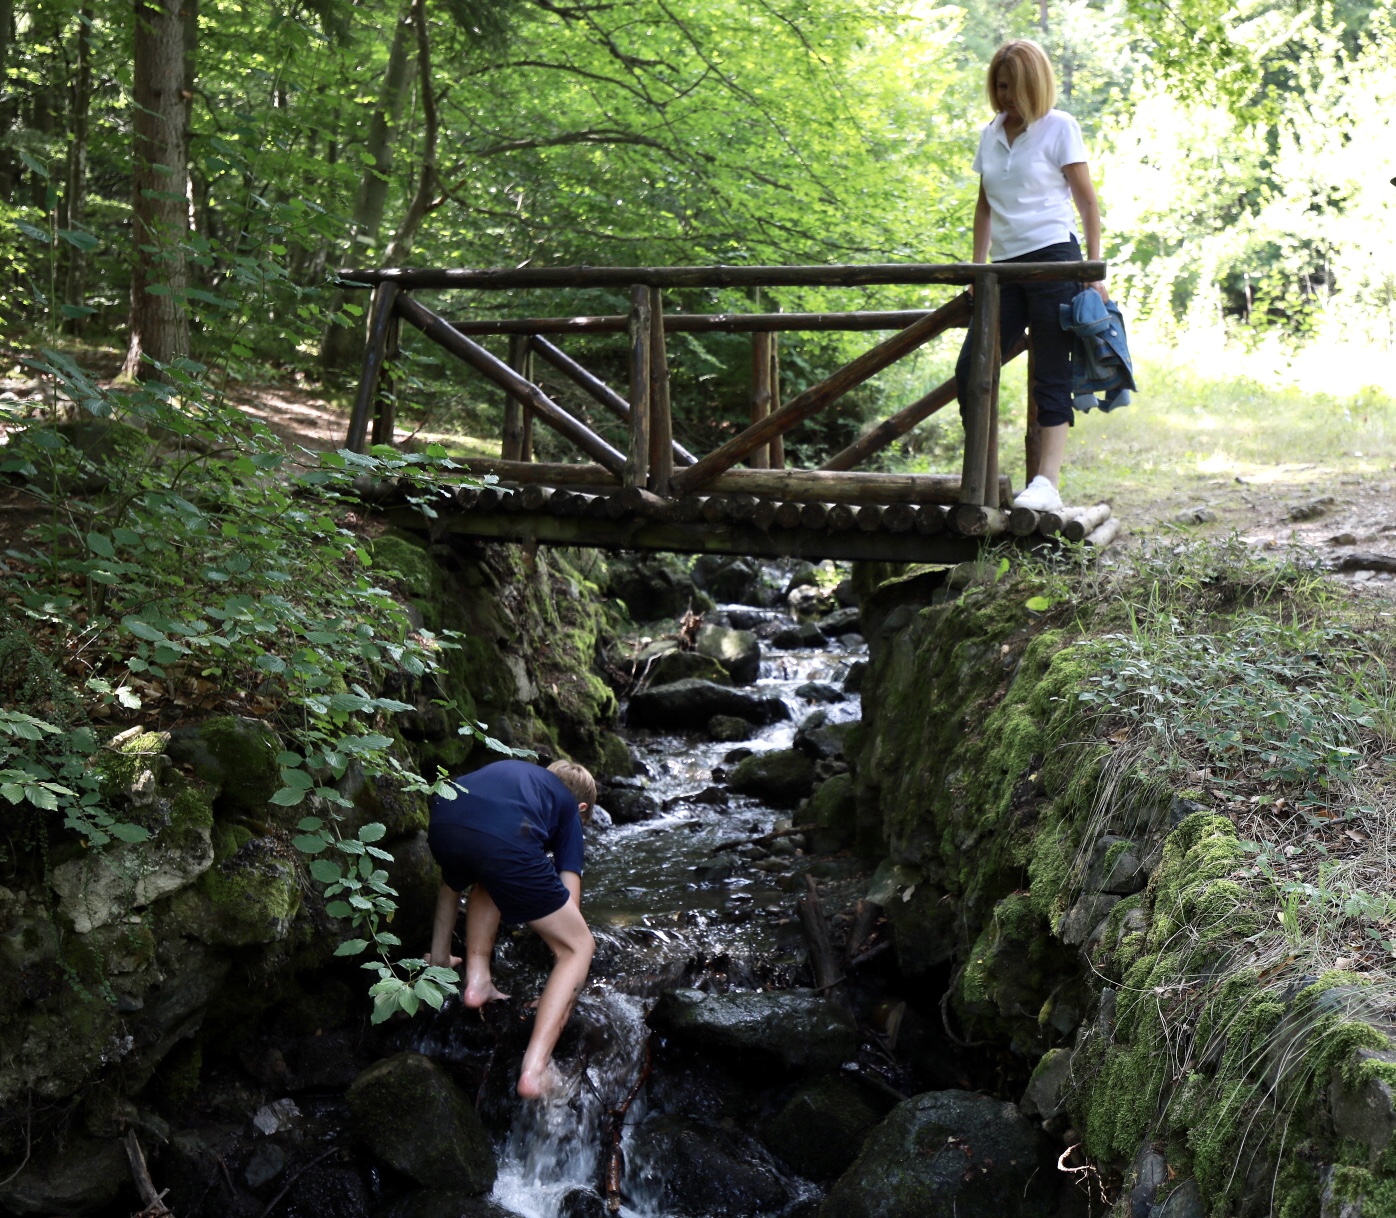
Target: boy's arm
<point x="573" y="883"/>
<point x="447" y="909"/>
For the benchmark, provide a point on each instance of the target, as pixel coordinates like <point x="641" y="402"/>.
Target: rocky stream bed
<point x="869" y="945"/>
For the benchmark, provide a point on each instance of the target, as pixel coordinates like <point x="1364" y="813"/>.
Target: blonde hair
<point x="1031" y="82"/>
<point x="577" y="779"/>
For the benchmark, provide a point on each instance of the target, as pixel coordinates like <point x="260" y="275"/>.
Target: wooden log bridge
<point x="652" y="492"/>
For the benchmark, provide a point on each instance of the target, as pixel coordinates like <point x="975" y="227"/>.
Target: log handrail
<point x="699" y="323"/>
<point x="867" y="275"/>
<point x="598" y="388"/>
<point x="895" y="426"/>
<point x="817" y="397"/>
<point x="438" y="329"/>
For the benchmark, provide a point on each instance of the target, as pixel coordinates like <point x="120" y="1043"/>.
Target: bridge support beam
<point x="637" y="462"/>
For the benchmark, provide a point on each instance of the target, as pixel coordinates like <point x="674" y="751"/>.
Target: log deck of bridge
<point x="740" y="498"/>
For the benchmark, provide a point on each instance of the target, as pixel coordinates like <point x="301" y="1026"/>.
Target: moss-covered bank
<point x="1113" y="934"/>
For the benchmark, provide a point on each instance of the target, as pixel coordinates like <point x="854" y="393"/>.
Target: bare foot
<point x="537" y="1084"/>
<point x="476" y="997"/>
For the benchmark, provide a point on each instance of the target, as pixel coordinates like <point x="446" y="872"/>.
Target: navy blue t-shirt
<point x="517" y="799"/>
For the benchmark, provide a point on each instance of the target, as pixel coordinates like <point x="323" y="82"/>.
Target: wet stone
<point x="796" y="1029"/>
<point x="794" y="638"/>
<point x="582" y="1203"/>
<point x="628" y="807"/>
<point x="853" y="681"/>
<point x="268" y="1161"/>
<point x="727" y="729"/>
<point x="819" y="691"/>
<point x="737" y="651"/>
<point x="444" y="1203"/>
<point x="704" y="1171"/>
<point x="822" y="1129"/>
<point x="683" y="665"/>
<point x="824" y="741"/>
<point x="692" y="703"/>
<point x="839" y="623"/>
<point x="782" y="777"/>
<point x="949" y="1152"/>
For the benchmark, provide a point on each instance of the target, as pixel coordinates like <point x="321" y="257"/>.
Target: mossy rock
<point x="784" y="776"/>
<point x="822" y="1128"/>
<point x="682" y="665"/>
<point x="413" y="1117"/>
<point x="234" y="754"/>
<point x="251" y="897"/>
<point x="833" y="810"/>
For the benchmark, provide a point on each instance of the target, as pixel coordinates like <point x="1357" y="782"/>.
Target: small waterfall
<point x="560" y="1143"/>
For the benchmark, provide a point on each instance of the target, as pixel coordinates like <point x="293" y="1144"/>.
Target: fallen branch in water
<point x="827" y="974"/>
<point x="615" y="1157"/>
<point x="153" y="1202"/>
<point x="772" y="836"/>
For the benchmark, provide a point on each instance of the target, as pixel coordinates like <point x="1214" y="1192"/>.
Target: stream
<point x="668" y="909"/>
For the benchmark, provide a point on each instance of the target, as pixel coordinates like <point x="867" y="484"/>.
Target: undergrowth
<point x="183" y="560"/>
<point x="1247" y="696"/>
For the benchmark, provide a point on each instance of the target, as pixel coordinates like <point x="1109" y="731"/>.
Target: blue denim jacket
<point x="1100" y="361"/>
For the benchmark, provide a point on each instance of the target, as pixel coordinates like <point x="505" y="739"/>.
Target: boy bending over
<point x="494" y="838"/>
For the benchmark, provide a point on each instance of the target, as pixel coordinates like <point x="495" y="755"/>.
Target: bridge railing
<point x="654" y="463"/>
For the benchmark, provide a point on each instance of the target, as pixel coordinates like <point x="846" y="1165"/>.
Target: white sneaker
<point x="1039" y="495"/>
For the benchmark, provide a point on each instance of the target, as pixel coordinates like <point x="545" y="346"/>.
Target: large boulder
<point x="692" y="703"/>
<point x="651" y="589"/>
<point x="687" y="665"/>
<point x="79" y="1176"/>
<point x="782" y="777"/>
<point x="821" y="740"/>
<point x="821" y="1130"/>
<point x="730" y="580"/>
<point x="410" y="1114"/>
<point x="738" y="651"/>
<point x="705" y="1172"/>
<point x="792" y="638"/>
<point x="237" y="755"/>
<point x="250" y="897"/>
<point x="949" y="1153"/>
<point x="793" y="1029"/>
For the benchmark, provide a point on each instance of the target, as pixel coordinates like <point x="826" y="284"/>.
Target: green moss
<point x="251" y="896"/>
<point x="122" y="765"/>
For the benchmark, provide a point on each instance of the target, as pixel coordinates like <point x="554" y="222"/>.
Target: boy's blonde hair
<point x="577" y="779"/>
<point x="1030" y="79"/>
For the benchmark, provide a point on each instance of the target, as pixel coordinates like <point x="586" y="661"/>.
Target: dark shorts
<point x="518" y="875"/>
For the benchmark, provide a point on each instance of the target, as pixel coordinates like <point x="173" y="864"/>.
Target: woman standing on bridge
<point x="1032" y="166"/>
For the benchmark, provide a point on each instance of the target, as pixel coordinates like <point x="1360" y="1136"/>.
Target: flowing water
<point x="663" y="916"/>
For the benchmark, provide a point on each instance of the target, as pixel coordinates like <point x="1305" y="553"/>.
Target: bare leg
<point x="1053" y="452"/>
<point x="481" y="927"/>
<point x="572" y="945"/>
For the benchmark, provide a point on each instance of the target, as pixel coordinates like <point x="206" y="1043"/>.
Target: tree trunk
<point x="342" y="346"/>
<point x="7" y="105"/>
<point x="160" y="207"/>
<point x="401" y="245"/>
<point x="75" y="184"/>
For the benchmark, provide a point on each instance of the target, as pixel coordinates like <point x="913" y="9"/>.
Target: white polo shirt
<point x="1028" y="196"/>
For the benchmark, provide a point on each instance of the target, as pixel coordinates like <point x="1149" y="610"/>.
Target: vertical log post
<point x="384" y="401"/>
<point x="760" y="393"/>
<point x="637" y="463"/>
<point x="1032" y="439"/>
<point x="520" y="359"/>
<point x="380" y="313"/>
<point x="983" y="361"/>
<point x="991" y="459"/>
<point x="661" y="417"/>
<point x="776" y="449"/>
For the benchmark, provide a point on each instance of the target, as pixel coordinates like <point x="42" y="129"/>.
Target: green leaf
<point x="1039" y="604"/>
<point x="409" y="1001"/>
<point x="339" y="909"/>
<point x="351" y="947"/>
<point x="37" y="166"/>
<point x="292" y="759"/>
<point x="325" y="870"/>
<point x="142" y="630"/>
<point x="429" y="994"/>
<point x="129" y="833"/>
<point x="373" y="832"/>
<point x="30" y="231"/>
<point x="308" y="843"/>
<point x="298" y="780"/>
<point x="309" y="824"/>
<point x="288" y="797"/>
<point x="79" y="239"/>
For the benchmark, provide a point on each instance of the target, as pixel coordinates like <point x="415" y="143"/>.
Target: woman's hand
<point x="1099" y="286"/>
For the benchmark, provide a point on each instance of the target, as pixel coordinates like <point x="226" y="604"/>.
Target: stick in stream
<point x="615" y="1157"/>
<point x="153" y="1202"/>
<point x="773" y="835"/>
<point x="827" y="976"/>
